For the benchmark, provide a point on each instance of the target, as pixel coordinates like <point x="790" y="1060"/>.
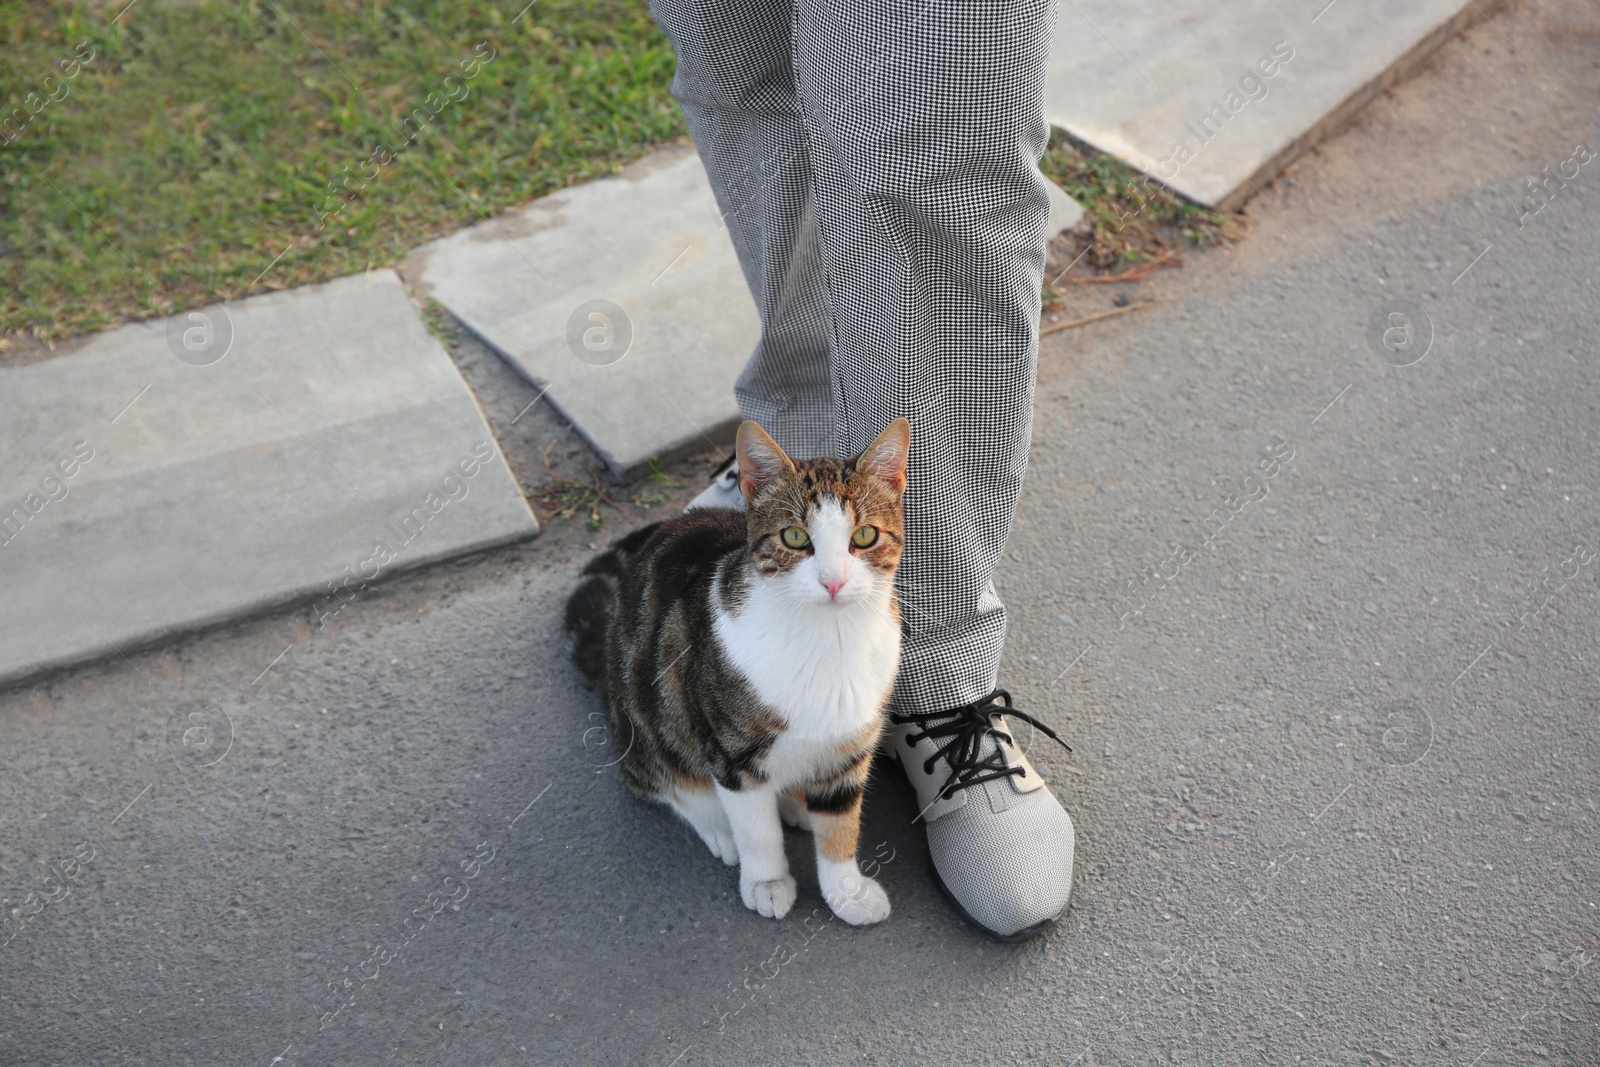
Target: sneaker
<point x="723" y="492"/>
<point x="999" y="842"/>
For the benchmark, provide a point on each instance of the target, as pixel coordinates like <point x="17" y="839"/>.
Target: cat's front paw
<point x="772" y="898"/>
<point x="858" y="900"/>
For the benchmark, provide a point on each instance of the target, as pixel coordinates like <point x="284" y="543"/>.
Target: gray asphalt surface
<point x="1334" y="775"/>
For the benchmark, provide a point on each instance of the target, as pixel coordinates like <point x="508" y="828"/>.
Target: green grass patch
<point x="1132" y="218"/>
<point x="205" y="150"/>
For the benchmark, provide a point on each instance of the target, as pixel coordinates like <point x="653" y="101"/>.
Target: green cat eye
<point x="864" y="537"/>
<point x="795" y="537"/>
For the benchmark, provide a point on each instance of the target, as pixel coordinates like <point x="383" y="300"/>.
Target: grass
<point x="1132" y="219"/>
<point x="190" y="159"/>
<point x="213" y="148"/>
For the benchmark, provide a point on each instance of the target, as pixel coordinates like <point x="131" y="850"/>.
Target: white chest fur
<point x="826" y="668"/>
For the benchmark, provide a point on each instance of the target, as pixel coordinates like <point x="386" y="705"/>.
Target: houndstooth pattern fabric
<point x="876" y="165"/>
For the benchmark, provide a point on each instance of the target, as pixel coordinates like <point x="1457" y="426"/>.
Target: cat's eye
<point x="864" y="537"/>
<point x="795" y="537"/>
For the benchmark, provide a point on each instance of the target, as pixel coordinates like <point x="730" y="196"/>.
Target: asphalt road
<point x="1335" y="749"/>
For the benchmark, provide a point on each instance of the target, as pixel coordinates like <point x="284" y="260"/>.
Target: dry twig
<point x="1169" y="258"/>
<point x="1056" y="327"/>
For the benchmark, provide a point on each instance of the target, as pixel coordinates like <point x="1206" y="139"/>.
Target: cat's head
<point x="826" y="531"/>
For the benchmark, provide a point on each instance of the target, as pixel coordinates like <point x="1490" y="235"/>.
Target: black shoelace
<point x="966" y="727"/>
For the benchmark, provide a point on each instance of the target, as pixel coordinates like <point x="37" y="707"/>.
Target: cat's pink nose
<point x="833" y="585"/>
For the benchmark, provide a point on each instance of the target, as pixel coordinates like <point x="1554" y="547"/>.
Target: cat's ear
<point x="885" y="458"/>
<point x="761" y="461"/>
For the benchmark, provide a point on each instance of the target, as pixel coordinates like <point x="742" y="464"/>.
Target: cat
<point x="746" y="660"/>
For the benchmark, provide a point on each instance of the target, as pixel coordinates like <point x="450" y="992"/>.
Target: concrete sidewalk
<point x="621" y="299"/>
<point x="185" y="472"/>
<point x="1334" y="769"/>
<point x="1214" y="99"/>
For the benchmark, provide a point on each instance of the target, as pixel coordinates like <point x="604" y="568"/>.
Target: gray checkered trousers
<point x="876" y="163"/>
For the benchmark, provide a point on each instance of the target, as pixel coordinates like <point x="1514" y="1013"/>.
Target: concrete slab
<point x="179" y="473"/>
<point x="621" y="298"/>
<point x="1214" y="99"/>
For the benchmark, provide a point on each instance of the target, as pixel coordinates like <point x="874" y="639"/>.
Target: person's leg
<point x="926" y="120"/>
<point x="928" y="123"/>
<point x="890" y="223"/>
<point x="736" y="86"/>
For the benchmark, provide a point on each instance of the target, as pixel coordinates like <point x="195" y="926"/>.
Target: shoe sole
<point x="1027" y="933"/>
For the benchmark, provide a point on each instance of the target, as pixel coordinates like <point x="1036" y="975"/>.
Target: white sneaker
<point x="999" y="843"/>
<point x="723" y="492"/>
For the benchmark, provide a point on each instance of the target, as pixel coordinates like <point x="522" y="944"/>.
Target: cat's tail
<point x="593" y="603"/>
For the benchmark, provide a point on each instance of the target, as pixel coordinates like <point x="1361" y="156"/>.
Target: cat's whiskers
<point x="907" y="604"/>
<point x="938" y="627"/>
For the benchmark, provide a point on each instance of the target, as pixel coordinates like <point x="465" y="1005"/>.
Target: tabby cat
<point x="746" y="660"/>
